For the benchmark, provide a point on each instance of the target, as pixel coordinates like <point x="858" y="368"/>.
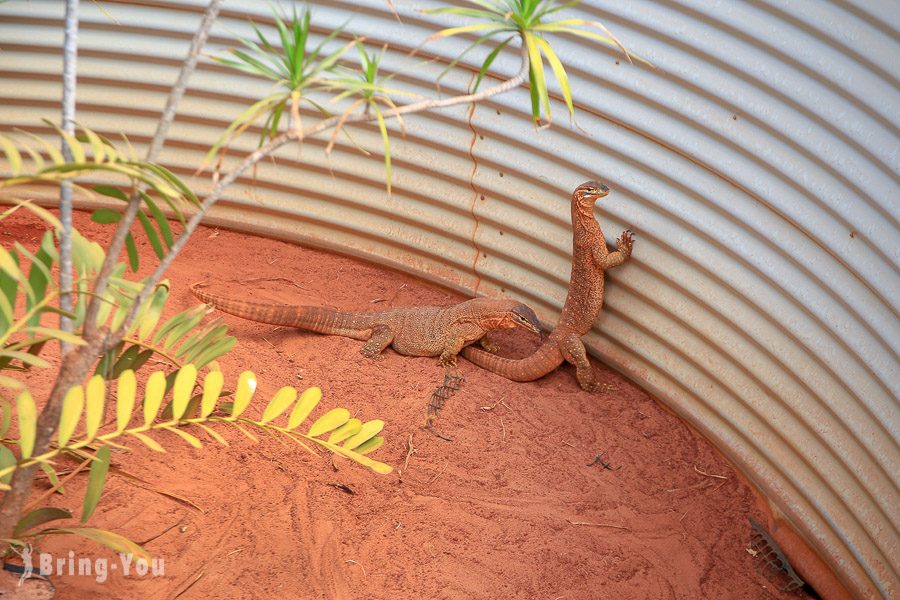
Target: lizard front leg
<point x="488" y="345"/>
<point x="624" y="245"/>
<point x="381" y="338"/>
<point x="448" y="356"/>
<point x="457" y="337"/>
<point x="573" y="351"/>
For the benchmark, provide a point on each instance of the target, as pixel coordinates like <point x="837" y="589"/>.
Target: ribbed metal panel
<point x="757" y="163"/>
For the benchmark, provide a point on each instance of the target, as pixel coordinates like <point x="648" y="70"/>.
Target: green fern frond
<point x="84" y="406"/>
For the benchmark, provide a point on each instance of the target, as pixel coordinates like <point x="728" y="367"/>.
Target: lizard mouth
<point x="592" y="191"/>
<point x="527" y="319"/>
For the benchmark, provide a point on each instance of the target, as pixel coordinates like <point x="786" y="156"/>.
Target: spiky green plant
<point x="527" y="20"/>
<point x="294" y="69"/>
<point x="369" y="90"/>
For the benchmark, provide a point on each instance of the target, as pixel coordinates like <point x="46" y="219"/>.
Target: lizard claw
<point x="373" y="354"/>
<point x="625" y="242"/>
<point x="595" y="388"/>
<point x="490" y="346"/>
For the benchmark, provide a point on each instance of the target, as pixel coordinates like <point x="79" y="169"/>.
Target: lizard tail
<point x="310" y="318"/>
<point x="546" y="358"/>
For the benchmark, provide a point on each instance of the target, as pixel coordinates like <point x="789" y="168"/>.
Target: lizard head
<point x="589" y="192"/>
<point x="523" y="316"/>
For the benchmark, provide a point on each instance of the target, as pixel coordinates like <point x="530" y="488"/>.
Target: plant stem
<point x="76" y="363"/>
<point x="159" y="138"/>
<point x="430" y="104"/>
<point x="277" y="142"/>
<point x="187" y="69"/>
<point x="70" y="64"/>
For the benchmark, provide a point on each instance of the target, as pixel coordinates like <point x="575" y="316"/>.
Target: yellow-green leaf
<point x="370" y="445"/>
<point x="560" y="72"/>
<point x="38" y="517"/>
<point x="27" y="412"/>
<point x="40" y="211"/>
<point x="95" y="391"/>
<point x="107" y="538"/>
<point x="451" y="31"/>
<point x="25" y="357"/>
<point x="181" y="391"/>
<point x="378" y="467"/>
<point x="279" y="403"/>
<point x="53" y="478"/>
<point x="212" y="387"/>
<point x="331" y="420"/>
<point x="537" y="67"/>
<point x="368" y="430"/>
<point x="148" y="441"/>
<point x="71" y="414"/>
<point x="345" y="431"/>
<point x="190" y="439"/>
<point x="74" y="146"/>
<point x="154" y="310"/>
<point x="8" y="264"/>
<point x="7" y="464"/>
<point x="309" y="399"/>
<point x="97" y="147"/>
<point x="59" y="334"/>
<point x="96" y="480"/>
<point x="125" y="397"/>
<point x="55" y="155"/>
<point x="246" y="386"/>
<point x="6" y="411"/>
<point x="12" y="155"/>
<point x="246" y="433"/>
<point x="212" y="433"/>
<point x="156" y="388"/>
<point x="11" y="383"/>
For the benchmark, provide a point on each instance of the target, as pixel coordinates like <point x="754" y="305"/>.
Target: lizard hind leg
<point x="573" y="351"/>
<point x="381" y="338"/>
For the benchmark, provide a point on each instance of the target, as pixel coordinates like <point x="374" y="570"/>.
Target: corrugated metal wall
<point x="757" y="163"/>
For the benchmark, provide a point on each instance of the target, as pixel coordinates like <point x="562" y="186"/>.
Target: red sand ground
<point x="508" y="509"/>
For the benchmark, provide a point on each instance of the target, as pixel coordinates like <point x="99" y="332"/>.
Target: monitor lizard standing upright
<point x="590" y="259"/>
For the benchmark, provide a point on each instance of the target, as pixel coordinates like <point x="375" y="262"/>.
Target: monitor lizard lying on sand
<point x="412" y="331"/>
<point x="590" y="258"/>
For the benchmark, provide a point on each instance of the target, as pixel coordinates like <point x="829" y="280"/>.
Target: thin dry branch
<point x="276" y="143"/>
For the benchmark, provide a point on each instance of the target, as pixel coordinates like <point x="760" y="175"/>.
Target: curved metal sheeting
<point x="757" y="163"/>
